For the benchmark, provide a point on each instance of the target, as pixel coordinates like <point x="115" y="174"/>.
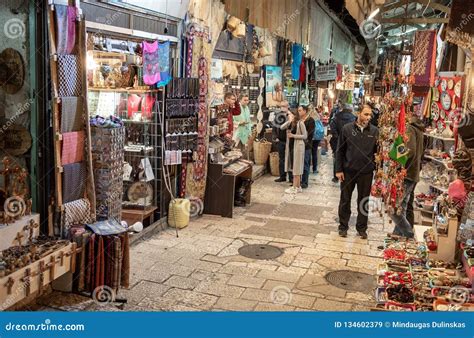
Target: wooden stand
<point x="20" y="232"/>
<point x="220" y="190"/>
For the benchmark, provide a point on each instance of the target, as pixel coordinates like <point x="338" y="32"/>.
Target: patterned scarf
<point x="72" y="110"/>
<point x="74" y="181"/>
<point x="201" y="158"/>
<point x="65" y="28"/>
<point x="73" y="147"/>
<point x="424" y="58"/>
<point x="69" y="75"/>
<point x="151" y="64"/>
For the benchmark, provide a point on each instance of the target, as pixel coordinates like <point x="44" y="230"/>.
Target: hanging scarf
<point x="424" y="58"/>
<point x="297" y="51"/>
<point x="151" y="66"/>
<point x="164" y="63"/>
<point x="189" y="56"/>
<point x="201" y="154"/>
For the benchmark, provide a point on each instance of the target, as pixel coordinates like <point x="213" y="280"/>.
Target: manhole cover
<point x="260" y="251"/>
<point x="351" y="280"/>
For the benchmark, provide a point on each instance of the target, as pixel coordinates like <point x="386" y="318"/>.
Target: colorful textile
<point x="74" y="181"/>
<point x="147" y="105"/>
<point x="73" y="147"/>
<point x="424" y="58"/>
<point x="69" y="76"/>
<point x="164" y="63"/>
<point x="243" y="125"/>
<point x="65" y="17"/>
<point x="402" y="120"/>
<point x="77" y="212"/>
<point x="151" y="67"/>
<point x="297" y="54"/>
<point x="201" y="151"/>
<point x="189" y="54"/>
<point x="72" y="111"/>
<point x="302" y="71"/>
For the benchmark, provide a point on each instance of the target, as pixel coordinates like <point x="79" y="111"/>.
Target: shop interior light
<point x="373" y="14"/>
<point x="380" y="51"/>
<point x="331" y="93"/>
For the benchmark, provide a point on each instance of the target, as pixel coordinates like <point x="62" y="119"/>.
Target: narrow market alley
<point x="203" y="270"/>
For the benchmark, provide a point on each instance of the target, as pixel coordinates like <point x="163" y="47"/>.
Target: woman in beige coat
<point x="294" y="154"/>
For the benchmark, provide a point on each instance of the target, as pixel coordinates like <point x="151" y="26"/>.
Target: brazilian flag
<point x="399" y="151"/>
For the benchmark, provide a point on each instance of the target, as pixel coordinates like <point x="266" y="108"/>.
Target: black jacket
<point x="356" y="149"/>
<point x="338" y="122"/>
<point x="310" y="125"/>
<point x="277" y="133"/>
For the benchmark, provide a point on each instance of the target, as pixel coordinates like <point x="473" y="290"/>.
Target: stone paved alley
<point x="202" y="269"/>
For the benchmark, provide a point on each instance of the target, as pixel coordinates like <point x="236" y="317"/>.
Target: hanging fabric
<point x="201" y="155"/>
<point x="72" y="147"/>
<point x="74" y="182"/>
<point x="297" y="54"/>
<point x="65" y="17"/>
<point x="72" y="109"/>
<point x="424" y="58"/>
<point x="151" y="68"/>
<point x="164" y="63"/>
<point x="69" y="75"/>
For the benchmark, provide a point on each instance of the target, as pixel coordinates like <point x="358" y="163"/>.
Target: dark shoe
<point x="363" y="234"/>
<point x="304" y="186"/>
<point x="335" y="180"/>
<point x="381" y="247"/>
<point x="278" y="180"/>
<point x="291" y="182"/>
<point x="343" y="233"/>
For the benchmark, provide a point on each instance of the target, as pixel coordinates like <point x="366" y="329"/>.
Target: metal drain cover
<point x="260" y="251"/>
<point x="351" y="280"/>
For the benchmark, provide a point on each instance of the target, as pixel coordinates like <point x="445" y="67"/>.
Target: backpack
<point x="318" y="134"/>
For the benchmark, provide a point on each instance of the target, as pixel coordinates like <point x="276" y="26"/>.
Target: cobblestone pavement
<point x="202" y="269"/>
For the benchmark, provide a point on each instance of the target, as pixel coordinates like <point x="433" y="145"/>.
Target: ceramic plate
<point x="445" y="101"/>
<point x="435" y="94"/>
<point x="442" y="114"/>
<point x="434" y="111"/>
<point x="457" y="89"/>
<point x="437" y="82"/>
<point x="450" y="84"/>
<point x="444" y="85"/>
<point x="441" y="126"/>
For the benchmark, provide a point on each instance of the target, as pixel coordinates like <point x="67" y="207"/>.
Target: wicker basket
<point x="261" y="150"/>
<point x="275" y="164"/>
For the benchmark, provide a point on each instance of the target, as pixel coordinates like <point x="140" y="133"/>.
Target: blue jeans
<point x="307" y="163"/>
<point x="402" y="226"/>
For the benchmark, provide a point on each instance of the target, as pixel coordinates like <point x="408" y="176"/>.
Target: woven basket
<point x="275" y="164"/>
<point x="261" y="151"/>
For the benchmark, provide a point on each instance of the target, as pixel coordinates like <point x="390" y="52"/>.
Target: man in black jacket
<point x="339" y="120"/>
<point x="355" y="166"/>
<point x="310" y="125"/>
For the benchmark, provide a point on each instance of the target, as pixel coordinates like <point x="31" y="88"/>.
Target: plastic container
<point x="178" y="214"/>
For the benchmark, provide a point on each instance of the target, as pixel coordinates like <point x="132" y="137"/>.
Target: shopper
<point x="415" y="129"/>
<point x="279" y="136"/>
<point x="309" y="125"/>
<point x="295" y="151"/>
<point x="355" y="167"/>
<point x="339" y="120"/>
<point x="242" y="124"/>
<point x="318" y="136"/>
<point x="234" y="110"/>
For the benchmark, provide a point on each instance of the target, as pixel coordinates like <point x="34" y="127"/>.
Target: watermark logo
<point x="14" y="28"/>
<point x="370" y="28"/>
<point x="279" y="120"/>
<point x="370" y="205"/>
<point x="281" y="295"/>
<point x="103" y="295"/>
<point x="459" y="295"/>
<point x="14" y="206"/>
<point x="196" y="208"/>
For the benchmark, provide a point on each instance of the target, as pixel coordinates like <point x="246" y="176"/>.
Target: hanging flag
<point x="399" y="151"/>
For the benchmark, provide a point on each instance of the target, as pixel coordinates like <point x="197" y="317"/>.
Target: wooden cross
<point x="26" y="279"/>
<point x="33" y="225"/>
<point x="9" y="285"/>
<point x="41" y="277"/>
<point x="61" y="257"/>
<point x="52" y="264"/>
<point x="18" y="238"/>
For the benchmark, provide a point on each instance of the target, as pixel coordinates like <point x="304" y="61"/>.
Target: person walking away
<point x="355" y="165"/>
<point x="309" y="125"/>
<point x="279" y="136"/>
<point x="340" y="119"/>
<point x="242" y="125"/>
<point x="295" y="150"/>
<point x="317" y="137"/>
<point x="403" y="227"/>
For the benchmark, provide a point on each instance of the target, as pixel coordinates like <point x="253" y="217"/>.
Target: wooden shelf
<point x="125" y="90"/>
<point x="439" y="137"/>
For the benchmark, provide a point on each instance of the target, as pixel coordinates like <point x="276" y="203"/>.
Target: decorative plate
<point x="15" y="140"/>
<point x="437" y="82"/>
<point x="435" y="94"/>
<point x="453" y="105"/>
<point x="434" y="111"/>
<point x="444" y="85"/>
<point x="140" y="192"/>
<point x="445" y="101"/>
<point x="441" y="126"/>
<point x="450" y="84"/>
<point x="457" y="89"/>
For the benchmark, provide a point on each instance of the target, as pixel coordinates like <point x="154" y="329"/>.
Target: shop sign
<point x="326" y="73"/>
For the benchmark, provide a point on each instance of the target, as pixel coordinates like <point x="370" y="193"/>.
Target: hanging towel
<point x="69" y="75"/>
<point x="302" y="71"/>
<point x="73" y="147"/>
<point x="74" y="181"/>
<point x="72" y="110"/>
<point x="297" y="51"/>
<point x="65" y="28"/>
<point x="151" y="67"/>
